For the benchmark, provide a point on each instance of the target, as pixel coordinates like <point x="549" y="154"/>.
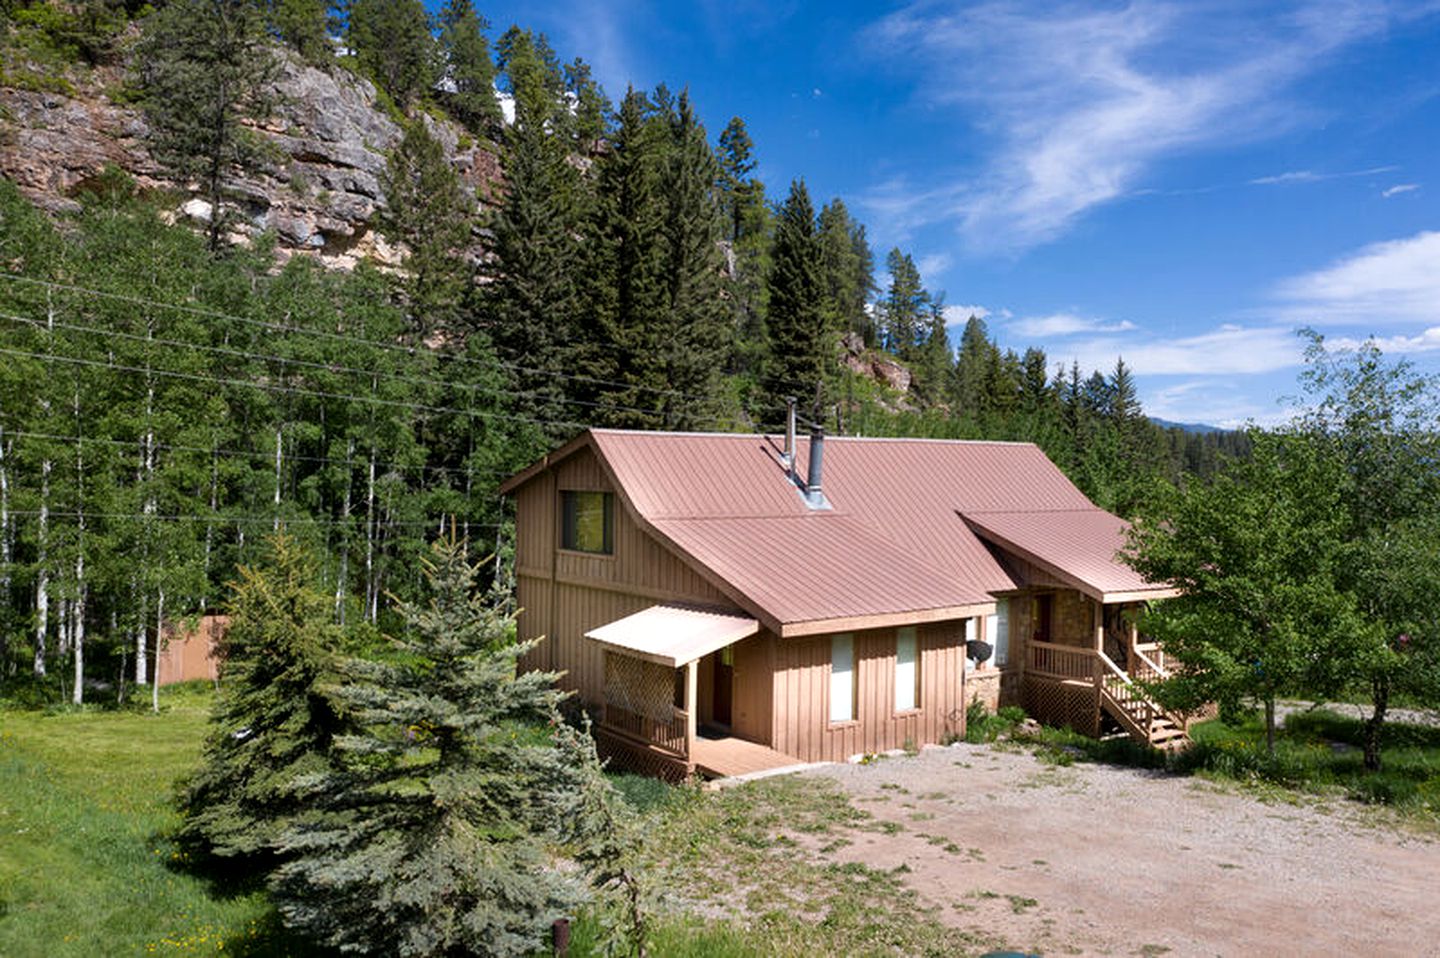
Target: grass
<point x="84" y="803"/>
<point x="86" y="869"/>
<point x="1316" y="753"/>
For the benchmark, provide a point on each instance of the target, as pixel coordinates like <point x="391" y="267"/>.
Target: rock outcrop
<point x="319" y="194"/>
<point x="879" y="366"/>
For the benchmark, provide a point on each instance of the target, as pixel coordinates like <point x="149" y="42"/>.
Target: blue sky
<point x="1182" y="184"/>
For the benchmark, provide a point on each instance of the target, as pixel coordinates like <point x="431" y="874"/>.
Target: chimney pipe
<point x="789" y="456"/>
<point x="817" y="465"/>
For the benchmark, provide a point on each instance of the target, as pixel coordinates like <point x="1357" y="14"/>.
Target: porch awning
<point x="673" y="635"/>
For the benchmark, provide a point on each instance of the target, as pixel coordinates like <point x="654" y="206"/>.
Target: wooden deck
<point x="727" y="756"/>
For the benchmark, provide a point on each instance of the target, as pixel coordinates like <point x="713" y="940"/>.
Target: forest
<point x="169" y="397"/>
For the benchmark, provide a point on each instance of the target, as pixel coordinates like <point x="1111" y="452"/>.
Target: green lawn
<point x="1315" y="752"/>
<point x="84" y="867"/>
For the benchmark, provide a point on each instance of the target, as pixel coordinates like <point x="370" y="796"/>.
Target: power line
<point x="328" y="367"/>
<point x="265" y="456"/>
<point x="296" y="390"/>
<point x="355" y="340"/>
<point x="224" y="520"/>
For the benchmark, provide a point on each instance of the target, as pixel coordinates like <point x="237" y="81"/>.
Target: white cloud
<point x="1428" y="341"/>
<point x="1399" y="188"/>
<point x="1213" y="402"/>
<point x="1387" y="283"/>
<point x="1309" y="176"/>
<point x="958" y="315"/>
<point x="932" y="264"/>
<point x="1227" y="350"/>
<point x="1067" y="324"/>
<point x="1077" y="103"/>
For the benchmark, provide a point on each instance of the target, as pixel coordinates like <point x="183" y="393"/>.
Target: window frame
<point x="854" y="684"/>
<point x="569" y="518"/>
<point x="916" y="704"/>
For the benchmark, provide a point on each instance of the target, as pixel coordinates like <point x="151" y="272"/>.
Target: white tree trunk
<point x="141" y="673"/>
<point x="159" y="633"/>
<point x="372" y="598"/>
<point x="42" y="571"/>
<point x="343" y="576"/>
<point x="279" y="450"/>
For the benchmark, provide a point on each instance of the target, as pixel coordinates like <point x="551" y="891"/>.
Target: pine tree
<point x="392" y="44"/>
<point x="434" y="838"/>
<point x="974" y="369"/>
<point x="934" y="359"/>
<point x="842" y="269"/>
<point x="533" y="310"/>
<point x="1123" y="406"/>
<point x="469" y="68"/>
<point x="205" y="68"/>
<point x="802" y="344"/>
<point x="305" y="26"/>
<point x="428" y="211"/>
<point x="904" y="306"/>
<point x="748" y="228"/>
<point x="275" y="720"/>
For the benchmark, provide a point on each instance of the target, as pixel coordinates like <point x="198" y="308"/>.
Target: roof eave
<point x="545" y="462"/>
<point x="883" y="620"/>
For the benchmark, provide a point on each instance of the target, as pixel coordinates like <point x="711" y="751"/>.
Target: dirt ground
<point x="1097" y="860"/>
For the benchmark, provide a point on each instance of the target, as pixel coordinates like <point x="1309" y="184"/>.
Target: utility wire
<point x="355" y="340"/>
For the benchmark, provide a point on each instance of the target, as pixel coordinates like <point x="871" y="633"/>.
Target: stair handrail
<point x="1133" y="691"/>
<point x="1150" y="663"/>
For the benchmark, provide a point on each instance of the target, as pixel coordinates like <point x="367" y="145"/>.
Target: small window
<point x="842" y="678"/>
<point x="588" y="522"/>
<point x="997" y="632"/>
<point x="907" y="670"/>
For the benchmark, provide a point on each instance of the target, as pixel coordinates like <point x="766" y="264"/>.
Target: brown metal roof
<point x="1078" y="546"/>
<point x="894" y="543"/>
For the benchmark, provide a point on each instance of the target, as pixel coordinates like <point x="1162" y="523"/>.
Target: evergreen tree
<point x="305" y="26"/>
<point x="934" y="360"/>
<point x="974" y="369"/>
<point x="275" y="720"/>
<point x="748" y="231"/>
<point x="469" y="68"/>
<point x="434" y="837"/>
<point x="205" y="68"/>
<point x="904" y="307"/>
<point x="429" y="211"/>
<point x="802" y="344"/>
<point x="1122" y="405"/>
<point x="532" y="303"/>
<point x="392" y="44"/>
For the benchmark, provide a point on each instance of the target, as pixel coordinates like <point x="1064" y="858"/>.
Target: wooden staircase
<point x="1143" y="719"/>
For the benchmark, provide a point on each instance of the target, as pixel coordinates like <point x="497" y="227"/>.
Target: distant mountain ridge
<point x="1196" y="428"/>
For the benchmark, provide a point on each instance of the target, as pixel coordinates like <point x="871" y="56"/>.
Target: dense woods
<point x="169" y="398"/>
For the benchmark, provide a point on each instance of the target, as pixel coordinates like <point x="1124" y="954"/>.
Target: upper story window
<point x="587" y="522"/>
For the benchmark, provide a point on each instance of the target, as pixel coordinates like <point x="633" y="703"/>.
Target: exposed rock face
<point x="320" y="194"/>
<point x="876" y="365"/>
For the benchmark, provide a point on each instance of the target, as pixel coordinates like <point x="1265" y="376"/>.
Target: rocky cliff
<point x="319" y="193"/>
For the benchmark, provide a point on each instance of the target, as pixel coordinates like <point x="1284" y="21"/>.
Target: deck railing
<point x="1061" y="661"/>
<point x="666" y="734"/>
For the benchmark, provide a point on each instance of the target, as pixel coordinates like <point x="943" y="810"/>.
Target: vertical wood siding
<point x="563" y="594"/>
<point x="801" y="725"/>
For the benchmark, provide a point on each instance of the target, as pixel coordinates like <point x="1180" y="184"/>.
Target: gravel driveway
<point x="1097" y="860"/>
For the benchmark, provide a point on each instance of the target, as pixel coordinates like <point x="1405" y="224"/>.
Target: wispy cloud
<point x="957" y="315"/>
<point x="1384" y="284"/>
<point x="932" y="264"/>
<point x="1081" y="101"/>
<point x="1213" y="402"/>
<point x="1310" y="176"/>
<point x="1427" y="341"/>
<point x="1398" y="188"/>
<point x="1067" y="324"/>
<point x="1227" y="350"/>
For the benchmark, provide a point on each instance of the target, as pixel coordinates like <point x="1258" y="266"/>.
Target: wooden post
<point x="1099" y="626"/>
<point x="692" y="704"/>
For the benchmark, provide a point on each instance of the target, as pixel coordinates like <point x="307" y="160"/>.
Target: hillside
<point x="318" y="191"/>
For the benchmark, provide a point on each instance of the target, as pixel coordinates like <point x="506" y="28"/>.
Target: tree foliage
<point x="276" y="717"/>
<point x="433" y="837"/>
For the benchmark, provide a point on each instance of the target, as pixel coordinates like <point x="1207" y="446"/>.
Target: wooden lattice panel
<point x="1055" y="703"/>
<point x="626" y="756"/>
<point x="638" y="686"/>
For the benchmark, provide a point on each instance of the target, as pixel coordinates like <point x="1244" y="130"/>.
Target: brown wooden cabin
<point x="721" y="605"/>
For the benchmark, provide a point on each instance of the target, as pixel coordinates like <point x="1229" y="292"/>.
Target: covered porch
<point x="653" y="718"/>
<point x="1099" y="680"/>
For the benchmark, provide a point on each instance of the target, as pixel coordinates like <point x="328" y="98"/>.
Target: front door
<point x="724" y="686"/>
<point x="1044" y="609"/>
